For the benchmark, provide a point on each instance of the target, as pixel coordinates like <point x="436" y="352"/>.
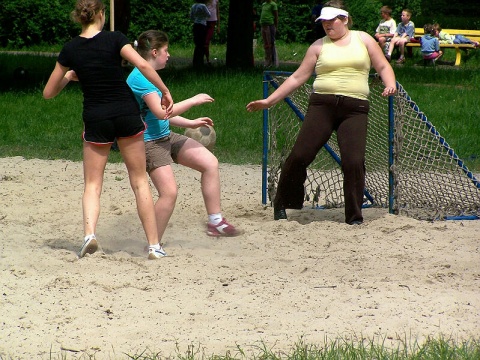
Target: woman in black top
<point x="110" y="112"/>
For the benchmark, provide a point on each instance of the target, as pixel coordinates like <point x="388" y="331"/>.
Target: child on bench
<point x="430" y="46"/>
<point x="446" y="38"/>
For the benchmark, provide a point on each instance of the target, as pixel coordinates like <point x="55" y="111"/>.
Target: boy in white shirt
<point x="386" y="28"/>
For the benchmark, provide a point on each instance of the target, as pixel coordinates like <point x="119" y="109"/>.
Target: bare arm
<point x="380" y="64"/>
<point x="182" y="122"/>
<point x="294" y="81"/>
<point x="129" y="54"/>
<point x="59" y="78"/>
<point x="153" y="102"/>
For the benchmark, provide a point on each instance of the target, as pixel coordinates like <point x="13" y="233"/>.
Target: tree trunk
<point x="240" y="34"/>
<point x="121" y="15"/>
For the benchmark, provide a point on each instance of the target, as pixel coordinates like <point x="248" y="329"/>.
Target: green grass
<point x="440" y="348"/>
<point x="51" y="129"/>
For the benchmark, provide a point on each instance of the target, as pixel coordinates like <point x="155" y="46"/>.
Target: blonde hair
<point x="85" y="11"/>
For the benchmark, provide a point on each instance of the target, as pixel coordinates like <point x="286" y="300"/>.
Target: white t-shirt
<point x="387" y="27"/>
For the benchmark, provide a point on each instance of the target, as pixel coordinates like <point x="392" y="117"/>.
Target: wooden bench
<point x="473" y="35"/>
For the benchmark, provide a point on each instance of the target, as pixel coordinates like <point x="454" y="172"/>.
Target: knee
<point x="210" y="166"/>
<point x="168" y="194"/>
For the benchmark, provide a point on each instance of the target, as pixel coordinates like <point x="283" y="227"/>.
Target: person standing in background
<point x="199" y="14"/>
<point x="212" y="22"/>
<point x="269" y="23"/>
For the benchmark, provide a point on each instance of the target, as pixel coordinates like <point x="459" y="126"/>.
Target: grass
<point x="440" y="348"/>
<point x="51" y="129"/>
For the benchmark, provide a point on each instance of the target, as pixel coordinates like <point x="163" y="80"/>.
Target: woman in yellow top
<point x="341" y="61"/>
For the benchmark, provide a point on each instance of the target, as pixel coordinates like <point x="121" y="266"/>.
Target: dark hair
<point x="150" y="39"/>
<point x="85" y="11"/>
<point x="437" y="27"/>
<point x="429" y="29"/>
<point x="339" y="5"/>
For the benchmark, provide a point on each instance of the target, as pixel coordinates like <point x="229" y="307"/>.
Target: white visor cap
<point x="329" y="13"/>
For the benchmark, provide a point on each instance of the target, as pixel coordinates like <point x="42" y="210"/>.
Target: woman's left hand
<point x="389" y="91"/>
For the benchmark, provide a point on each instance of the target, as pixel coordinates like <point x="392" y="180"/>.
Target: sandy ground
<point x="311" y="277"/>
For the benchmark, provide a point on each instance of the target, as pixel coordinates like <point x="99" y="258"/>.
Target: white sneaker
<point x="154" y="254"/>
<point x="90" y="245"/>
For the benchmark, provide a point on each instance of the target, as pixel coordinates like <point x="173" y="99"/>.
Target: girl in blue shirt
<point x="430" y="46"/>
<point x="163" y="147"/>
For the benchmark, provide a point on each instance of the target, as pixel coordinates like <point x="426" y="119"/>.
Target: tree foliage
<point x="25" y="23"/>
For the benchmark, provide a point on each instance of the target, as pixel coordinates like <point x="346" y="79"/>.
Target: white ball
<point x="205" y="135"/>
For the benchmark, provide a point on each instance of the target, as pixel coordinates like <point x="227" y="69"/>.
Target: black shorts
<point x="105" y="131"/>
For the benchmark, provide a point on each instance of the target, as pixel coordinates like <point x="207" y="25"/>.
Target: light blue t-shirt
<point x="141" y="86"/>
<point x="408" y="29"/>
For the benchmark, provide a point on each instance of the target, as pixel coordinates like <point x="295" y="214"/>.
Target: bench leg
<point x="409" y="51"/>
<point x="458" y="56"/>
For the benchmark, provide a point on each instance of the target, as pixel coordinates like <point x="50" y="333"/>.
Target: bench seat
<point x="473" y="35"/>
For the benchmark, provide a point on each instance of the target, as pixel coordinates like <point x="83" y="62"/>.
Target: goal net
<point x="411" y="169"/>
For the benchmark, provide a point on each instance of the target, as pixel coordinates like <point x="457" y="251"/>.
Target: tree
<point x="121" y="9"/>
<point x="240" y="34"/>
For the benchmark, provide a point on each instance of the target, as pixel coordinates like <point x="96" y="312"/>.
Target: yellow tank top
<point x="343" y="70"/>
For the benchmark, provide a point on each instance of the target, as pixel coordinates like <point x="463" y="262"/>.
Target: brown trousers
<point x="327" y="113"/>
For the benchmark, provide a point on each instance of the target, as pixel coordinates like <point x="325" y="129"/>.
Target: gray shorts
<point x="163" y="151"/>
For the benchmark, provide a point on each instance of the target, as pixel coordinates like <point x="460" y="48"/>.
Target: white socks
<point x="215" y="219"/>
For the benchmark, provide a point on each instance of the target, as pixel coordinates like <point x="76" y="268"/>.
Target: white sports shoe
<point x="154" y="254"/>
<point x="89" y="246"/>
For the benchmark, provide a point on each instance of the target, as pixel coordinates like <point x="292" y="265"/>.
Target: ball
<point x="205" y="135"/>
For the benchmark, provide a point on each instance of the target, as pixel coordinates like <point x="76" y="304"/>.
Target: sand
<point x="310" y="278"/>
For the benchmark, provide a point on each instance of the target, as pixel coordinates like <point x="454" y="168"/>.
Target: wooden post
<point x="112" y="15"/>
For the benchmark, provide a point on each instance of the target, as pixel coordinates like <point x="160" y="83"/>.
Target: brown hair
<point x="386" y="9"/>
<point x="85" y="11"/>
<point x="339" y="5"/>
<point x="150" y="39"/>
<point x="428" y="29"/>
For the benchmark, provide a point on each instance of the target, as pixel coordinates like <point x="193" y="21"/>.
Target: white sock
<point x="215" y="219"/>
<point x="156" y="246"/>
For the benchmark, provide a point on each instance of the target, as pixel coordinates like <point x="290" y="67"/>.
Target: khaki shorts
<point x="163" y="151"/>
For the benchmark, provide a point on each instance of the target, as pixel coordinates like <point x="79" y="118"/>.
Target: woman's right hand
<point x="257" y="105"/>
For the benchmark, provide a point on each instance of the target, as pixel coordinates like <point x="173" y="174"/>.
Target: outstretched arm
<point x="153" y="102"/>
<point x="182" y="122"/>
<point x="293" y="82"/>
